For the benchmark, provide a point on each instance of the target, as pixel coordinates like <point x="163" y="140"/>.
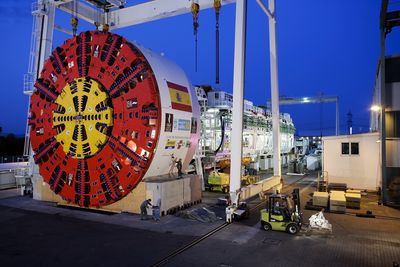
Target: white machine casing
<point x="182" y="141"/>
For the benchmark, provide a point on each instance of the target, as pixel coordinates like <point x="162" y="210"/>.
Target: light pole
<point x="383" y="31"/>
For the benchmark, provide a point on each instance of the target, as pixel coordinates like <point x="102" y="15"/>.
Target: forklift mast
<point x="296" y="203"/>
<point x="296" y="197"/>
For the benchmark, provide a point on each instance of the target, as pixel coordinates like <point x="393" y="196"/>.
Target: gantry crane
<point x="112" y="14"/>
<point x="312" y="100"/>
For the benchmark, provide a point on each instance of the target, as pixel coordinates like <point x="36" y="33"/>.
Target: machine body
<point x="105" y="114"/>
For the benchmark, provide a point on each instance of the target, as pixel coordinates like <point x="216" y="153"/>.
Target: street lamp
<point x="375" y="108"/>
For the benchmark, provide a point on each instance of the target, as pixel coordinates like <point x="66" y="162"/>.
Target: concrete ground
<point x="37" y="233"/>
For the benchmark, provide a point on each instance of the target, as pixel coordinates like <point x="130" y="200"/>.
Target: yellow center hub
<point x="83" y="118"/>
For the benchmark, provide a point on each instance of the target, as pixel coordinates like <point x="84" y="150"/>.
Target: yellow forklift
<point x="282" y="213"/>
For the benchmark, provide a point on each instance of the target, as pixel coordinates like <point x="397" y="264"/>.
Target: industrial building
<point x="389" y="109"/>
<point x="353" y="160"/>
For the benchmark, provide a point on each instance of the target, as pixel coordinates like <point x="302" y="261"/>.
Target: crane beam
<point x="155" y="10"/>
<point x="311" y="100"/>
<point x="133" y="15"/>
<point x="82" y="11"/>
<point x="306" y="100"/>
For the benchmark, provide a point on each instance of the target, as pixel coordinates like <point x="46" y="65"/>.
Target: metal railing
<point x="322" y="180"/>
<point x="9" y="159"/>
<point x="28" y="83"/>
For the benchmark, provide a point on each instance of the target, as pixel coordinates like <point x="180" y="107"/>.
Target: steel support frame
<point x="276" y="132"/>
<point x="133" y="15"/>
<point x="45" y="16"/>
<point x="384" y="191"/>
<point x="44" y="35"/>
<point x="154" y="10"/>
<point x="237" y="110"/>
<point x="63" y="29"/>
<point x="88" y="13"/>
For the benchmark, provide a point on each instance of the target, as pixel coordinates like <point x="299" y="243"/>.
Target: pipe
<point x="222" y="134"/>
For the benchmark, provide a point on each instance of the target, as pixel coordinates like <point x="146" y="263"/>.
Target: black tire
<point x="265" y="226"/>
<point x="292" y="229"/>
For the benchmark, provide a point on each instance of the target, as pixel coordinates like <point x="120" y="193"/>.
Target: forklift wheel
<point x="266" y="226"/>
<point x="292" y="229"/>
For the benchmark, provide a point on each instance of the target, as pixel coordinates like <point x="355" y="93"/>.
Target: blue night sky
<point x="329" y="47"/>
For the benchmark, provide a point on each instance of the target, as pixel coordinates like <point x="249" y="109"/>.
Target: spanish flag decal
<point x="180" y="98"/>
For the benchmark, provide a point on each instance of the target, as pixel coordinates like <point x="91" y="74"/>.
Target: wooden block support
<point x="337" y="201"/>
<point x="173" y="194"/>
<point x="321" y="199"/>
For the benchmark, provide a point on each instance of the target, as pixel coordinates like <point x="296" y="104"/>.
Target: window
<point x="345" y="148"/>
<point x="228" y="97"/>
<point x="350" y="149"/>
<point x="216" y="95"/>
<point x="354" y="149"/>
<point x="393" y="124"/>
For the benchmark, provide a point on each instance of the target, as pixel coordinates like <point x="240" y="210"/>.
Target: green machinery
<point x="282" y="213"/>
<point x="218" y="181"/>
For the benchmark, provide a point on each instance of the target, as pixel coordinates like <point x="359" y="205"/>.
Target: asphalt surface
<point x="354" y="241"/>
<point x="36" y="239"/>
<point x="34" y="233"/>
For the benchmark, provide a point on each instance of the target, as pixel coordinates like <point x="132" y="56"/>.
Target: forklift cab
<point x="282" y="213"/>
<point x="280" y="207"/>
